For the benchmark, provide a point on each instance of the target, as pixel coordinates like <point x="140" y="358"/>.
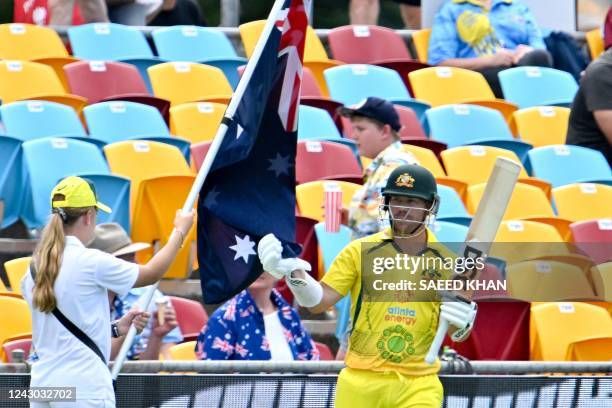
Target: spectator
<point x="375" y="125"/>
<point x="590" y="122"/>
<point x="487" y="36"/>
<point x="367" y="11"/>
<point x="256" y="324"/>
<point x="179" y="12"/>
<point x="92" y="11"/>
<point x="156" y="338"/>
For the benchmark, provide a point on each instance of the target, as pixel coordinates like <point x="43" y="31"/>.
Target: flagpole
<point x="207" y="164"/>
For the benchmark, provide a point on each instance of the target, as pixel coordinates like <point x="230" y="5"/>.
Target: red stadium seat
<point x="190" y="315"/>
<point x="593" y="238"/>
<point x="360" y="44"/>
<point x="198" y="152"/>
<point x="326" y="161"/>
<point x="9" y="346"/>
<point x="324" y="351"/>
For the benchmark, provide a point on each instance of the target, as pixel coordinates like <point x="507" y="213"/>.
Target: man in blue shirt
<point x="487" y="36"/>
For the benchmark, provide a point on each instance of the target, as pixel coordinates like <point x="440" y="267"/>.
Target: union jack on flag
<point x="222" y="345"/>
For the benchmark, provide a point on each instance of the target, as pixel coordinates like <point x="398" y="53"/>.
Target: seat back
<point x="331" y="243"/>
<point x="317" y="160"/>
<point x="196" y="121"/>
<point x="361" y="44"/>
<point x="49" y="160"/>
<point x="449" y="232"/>
<point x="420" y="40"/>
<point x="16" y="270"/>
<point x="118" y="121"/>
<point x="533" y="86"/>
<point x="601" y="276"/>
<point x="310" y="86"/>
<point x="113" y="191"/>
<point x="458" y="125"/>
<point x="181" y="82"/>
<point x="12" y="179"/>
<point x="595" y="42"/>
<point x="565" y="164"/>
<point x="350" y="84"/>
<point x="594" y="237"/>
<point x="473" y="164"/>
<point x="21" y="344"/>
<point x="98" y="80"/>
<point x="526" y="201"/>
<point x="29" y="120"/>
<point x="426" y="158"/>
<point x="595" y="349"/>
<point x="446" y="85"/>
<point x="325" y="353"/>
<point x="315" y="123"/>
<point x="550" y="322"/>
<point x="184" y="351"/>
<point x="190" y="316"/>
<point x="22" y="80"/>
<point x="29" y="42"/>
<point x="310" y="197"/>
<point x="451" y="205"/>
<point x="542" y="125"/>
<point x="411" y="126"/>
<point x="585" y="201"/>
<point x="108" y="42"/>
<point x="191" y="43"/>
<point x="527" y="231"/>
<point x="15" y="319"/>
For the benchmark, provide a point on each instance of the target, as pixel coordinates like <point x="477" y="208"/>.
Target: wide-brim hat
<point x="112" y="238"/>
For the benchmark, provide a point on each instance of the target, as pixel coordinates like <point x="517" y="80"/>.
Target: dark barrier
<point x="312" y="391"/>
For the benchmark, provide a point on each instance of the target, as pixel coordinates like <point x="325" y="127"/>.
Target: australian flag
<point x="250" y="190"/>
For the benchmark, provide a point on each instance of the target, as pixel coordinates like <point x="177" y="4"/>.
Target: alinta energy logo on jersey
<point x="395" y="344"/>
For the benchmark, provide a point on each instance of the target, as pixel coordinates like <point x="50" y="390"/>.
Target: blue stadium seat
<point x="48" y="160"/>
<point x="113" y="191"/>
<point x="199" y="44"/>
<point x="121" y="120"/>
<point x="567" y="164"/>
<point x="451" y="207"/>
<point x="446" y="231"/>
<point x="535" y="86"/>
<point x="316" y="124"/>
<point x="459" y="125"/>
<point x="351" y="83"/>
<point x="331" y="244"/>
<point x="11" y="179"/>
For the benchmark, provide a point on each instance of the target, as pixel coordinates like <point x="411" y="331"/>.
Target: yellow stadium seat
<point x="317" y="68"/>
<point x="504" y="107"/>
<point x="541" y="125"/>
<point x="595" y="349"/>
<point x="550" y="281"/>
<point x="183" y="352"/>
<point x="196" y="121"/>
<point x="473" y="164"/>
<point x="181" y="82"/>
<point x="365" y="161"/>
<point x="57" y="64"/>
<point x="309" y="197"/>
<point x="420" y="40"/>
<point x="15" y="318"/>
<point x="2" y="287"/>
<point x="595" y="42"/>
<point x="554" y="326"/>
<point x="601" y="276"/>
<point x="586" y="201"/>
<point x="29" y="42"/>
<point x="30" y="80"/>
<point x="15" y="270"/>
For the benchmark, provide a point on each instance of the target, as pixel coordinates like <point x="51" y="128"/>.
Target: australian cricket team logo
<point x="395" y="344"/>
<point x="405" y="180"/>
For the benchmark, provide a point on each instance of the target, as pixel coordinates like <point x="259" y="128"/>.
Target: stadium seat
<point x="595" y="42"/>
<point x="450" y="85"/>
<point x="181" y="82"/>
<point x="31" y="80"/>
<point x="198" y="153"/>
<point x="190" y="316"/>
<point x="118" y="121"/>
<point x="403" y="67"/>
<point x="601" y="276"/>
<point x="541" y="125"/>
<point x="534" y="86"/>
<point x="46" y="162"/>
<point x="11" y="180"/>
<point x="184" y="351"/>
<point x="113" y="191"/>
<point x="331" y="243"/>
<point x="306" y="236"/>
<point x="98" y="81"/>
<point x="199" y="44"/>
<point x="527" y="231"/>
<point x="596" y="349"/>
<point x="547" y="281"/>
<point x="580" y="202"/>
<point x="196" y="121"/>
<point x="108" y="42"/>
<point x="446" y="231"/>
<point x="460" y="125"/>
<point x="29" y="42"/>
<point x="411" y="126"/>
<point x="594" y="239"/>
<point x="451" y="207"/>
<point x="361" y="44"/>
<point x="566" y="164"/>
<point x="22" y="344"/>
<point x="501" y="331"/>
<point x="15" y="320"/>
<point x="550" y="337"/>
<point x="316" y="124"/>
<point x="325" y="353"/>
<point x="481" y="160"/>
<point x="420" y="41"/>
<point x="28" y="120"/>
<point x="316" y="160"/>
<point x="373" y="81"/>
<point x="15" y="271"/>
<point x="310" y="197"/>
<point x="57" y="65"/>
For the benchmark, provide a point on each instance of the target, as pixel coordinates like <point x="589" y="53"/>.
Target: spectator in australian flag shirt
<point x="256" y="324"/>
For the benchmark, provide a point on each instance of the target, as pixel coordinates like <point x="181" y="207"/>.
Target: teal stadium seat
<point x="11" y="179"/>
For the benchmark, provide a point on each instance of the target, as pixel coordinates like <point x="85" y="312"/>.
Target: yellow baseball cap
<point x="78" y="192"/>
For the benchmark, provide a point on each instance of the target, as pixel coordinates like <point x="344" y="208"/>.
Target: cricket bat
<point x="482" y="232"/>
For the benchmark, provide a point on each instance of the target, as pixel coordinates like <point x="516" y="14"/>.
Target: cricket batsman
<point x="391" y="332"/>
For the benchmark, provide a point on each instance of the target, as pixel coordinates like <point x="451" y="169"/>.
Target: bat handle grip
<point x="437" y="342"/>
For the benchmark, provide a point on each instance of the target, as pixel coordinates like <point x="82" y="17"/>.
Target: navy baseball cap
<point x="374" y="108"/>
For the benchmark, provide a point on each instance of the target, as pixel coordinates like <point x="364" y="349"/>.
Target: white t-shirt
<point x="81" y="294"/>
<point x="279" y="348"/>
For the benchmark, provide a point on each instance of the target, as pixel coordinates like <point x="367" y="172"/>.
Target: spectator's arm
<point x="534" y="34"/>
<point x="604" y="121"/>
<point x="444" y="40"/>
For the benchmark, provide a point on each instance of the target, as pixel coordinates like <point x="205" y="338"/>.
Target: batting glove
<point x="461" y="315"/>
<point x="270" y="254"/>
